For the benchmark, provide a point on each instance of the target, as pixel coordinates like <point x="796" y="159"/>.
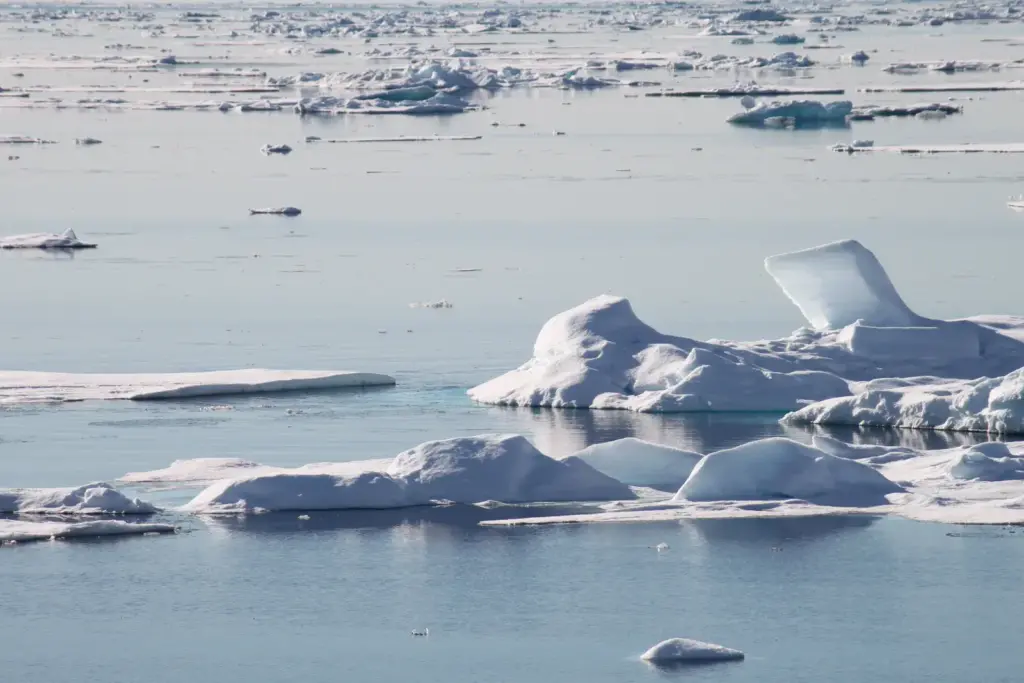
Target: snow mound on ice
<point x="461" y="470"/>
<point x="987" y="462"/>
<point x="875" y="455"/>
<point x="91" y="499"/>
<point x="194" y="471"/>
<point x="780" y="468"/>
<point x="993" y="405"/>
<point x="838" y="284"/>
<point x="45" y="240"/>
<point x="21" y="531"/>
<point x="677" y="650"/>
<point x="601" y="355"/>
<point x="801" y="112"/>
<point x="641" y="463"/>
<point x="31" y="387"/>
<point x="499" y="467"/>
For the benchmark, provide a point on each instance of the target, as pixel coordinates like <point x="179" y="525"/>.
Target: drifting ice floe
<point x="91" y="499"/>
<point x="462" y="470"/>
<point x="800" y="112"/>
<point x="21" y="531"/>
<point x="600" y="355"/>
<point x="205" y="471"/>
<point x="278" y="211"/>
<point x="680" y="650"/>
<point x="275" y="149"/>
<point x="45" y="240"/>
<point x="34" y="387"/>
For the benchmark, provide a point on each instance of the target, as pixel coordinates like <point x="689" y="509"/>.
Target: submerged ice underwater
<point x="280" y="399"/>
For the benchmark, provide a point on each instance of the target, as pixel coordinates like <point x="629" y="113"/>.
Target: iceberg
<point x="601" y="355"/>
<point x="802" y="112"/>
<point x="45" y="240"/>
<point x="779" y="468"/>
<point x="91" y="499"/>
<point x="18" y="531"/>
<point x="991" y="461"/>
<point x="641" y="463"/>
<point x="460" y="470"/>
<point x="681" y="650"/>
<point x="36" y="387"/>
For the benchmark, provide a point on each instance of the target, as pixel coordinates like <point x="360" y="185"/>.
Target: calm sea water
<point x="655" y="199"/>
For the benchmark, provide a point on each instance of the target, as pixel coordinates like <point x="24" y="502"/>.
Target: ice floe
<point x="962" y="148"/>
<point x="800" y="112"/>
<point x="36" y="387"/>
<point x="91" y="499"/>
<point x="45" y="240"/>
<point x="275" y="149"/>
<point x="641" y="463"/>
<point x="600" y="355"/>
<point x="19" y="531"/>
<point x="276" y="211"/>
<point x="461" y="470"/>
<point x="682" y="650"/>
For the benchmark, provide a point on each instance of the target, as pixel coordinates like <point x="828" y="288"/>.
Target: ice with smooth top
<point x="801" y="112"/>
<point x="36" y="387"/>
<point x="461" y="470"/>
<point x="680" y="650"/>
<point x="91" y="499"/>
<point x="21" y="531"/>
<point x="601" y="355"/>
<point x="641" y="463"/>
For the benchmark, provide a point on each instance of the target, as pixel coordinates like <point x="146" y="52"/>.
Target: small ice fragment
<point x="661" y="547"/>
<point x="442" y="303"/>
<point x="421" y="632"/>
<point x="304" y="518"/>
<point x="279" y="211"/>
<point x="676" y="650"/>
<point x="276" y="149"/>
<point x="87" y="141"/>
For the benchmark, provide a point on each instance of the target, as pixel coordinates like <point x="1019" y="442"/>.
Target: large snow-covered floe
<point x="460" y="470"/>
<point x="681" y="650"/>
<point x="45" y="240"/>
<point x="600" y="355"/>
<point x="35" y="387"/>
<point x="91" y="499"/>
<point x="19" y="531"/>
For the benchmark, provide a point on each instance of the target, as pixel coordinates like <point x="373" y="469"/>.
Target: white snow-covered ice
<point x="45" y="240"/>
<point x="91" y="499"/>
<point x="40" y="387"/>
<point x="641" y="463"/>
<point x="801" y="112"/>
<point x="681" y="650"/>
<point x="21" y="530"/>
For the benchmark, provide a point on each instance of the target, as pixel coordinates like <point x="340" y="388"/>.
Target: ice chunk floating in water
<point x="33" y="387"/>
<point x="91" y="499"/>
<point x="600" y="355"/>
<point x="20" y="531"/>
<point x="45" y="240"/>
<point x="682" y="650"/>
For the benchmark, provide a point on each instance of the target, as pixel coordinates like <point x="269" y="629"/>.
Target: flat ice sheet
<point x="20" y="530"/>
<point x="41" y="387"/>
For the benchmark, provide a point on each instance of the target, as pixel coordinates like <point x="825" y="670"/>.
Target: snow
<point x="993" y="405"/>
<point x="677" y="650"/>
<point x="802" y="112"/>
<point x="781" y="468"/>
<point x="601" y="355"/>
<point x="641" y="463"/>
<point x="460" y="470"/>
<point x="45" y="240"/>
<point x="21" y="531"/>
<point x="91" y="499"/>
<point x="33" y="387"/>
<point x="857" y="288"/>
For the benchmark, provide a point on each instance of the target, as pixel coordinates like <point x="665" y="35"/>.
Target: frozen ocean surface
<point x="574" y="193"/>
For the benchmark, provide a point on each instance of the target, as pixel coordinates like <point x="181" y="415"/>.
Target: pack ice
<point x="600" y="355"/>
<point x="37" y="387"/>
<point x="468" y="470"/>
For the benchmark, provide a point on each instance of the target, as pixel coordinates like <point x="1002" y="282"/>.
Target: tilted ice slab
<point x="981" y="484"/>
<point x="679" y="650"/>
<point x="34" y="387"/>
<point x="600" y="355"/>
<point x="91" y="499"/>
<point x="461" y="470"/>
<point x="993" y="405"/>
<point x="20" y="531"/>
<point x="45" y="240"/>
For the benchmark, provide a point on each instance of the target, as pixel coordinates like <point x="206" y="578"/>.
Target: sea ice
<point x="45" y="240"/>
<point x="780" y="469"/>
<point x="802" y="112"/>
<point x="680" y="650"/>
<point x="275" y="149"/>
<point x="278" y="211"/>
<point x="21" y="531"/>
<point x="991" y="461"/>
<point x="34" y="387"/>
<point x="91" y="499"/>
<point x="641" y="463"/>
<point x="461" y="470"/>
<point x="600" y="355"/>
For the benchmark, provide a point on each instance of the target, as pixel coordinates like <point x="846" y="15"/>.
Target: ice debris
<point x="681" y="650"/>
<point x="277" y="211"/>
<point x="275" y="149"/>
<point x="45" y="240"/>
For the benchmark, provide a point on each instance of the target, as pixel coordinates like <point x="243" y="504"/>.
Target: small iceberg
<point x="279" y="211"/>
<point x="802" y="112"/>
<point x="45" y="240"/>
<point x="91" y="499"/>
<point x="683" y="650"/>
<point x="276" y="149"/>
